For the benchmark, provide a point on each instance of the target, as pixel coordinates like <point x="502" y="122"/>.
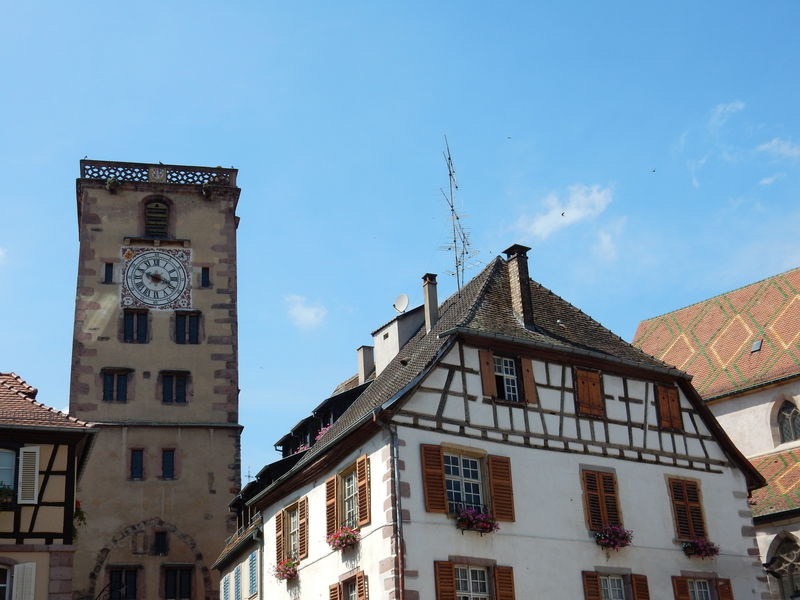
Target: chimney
<point x="520" y="283"/>
<point x="366" y="363"/>
<point x="431" y="300"/>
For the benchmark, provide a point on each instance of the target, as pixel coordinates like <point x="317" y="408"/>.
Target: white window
<point x="505" y="372"/>
<point x="292" y="524"/>
<point x="472" y="583"/>
<point x="699" y="589"/>
<point x="462" y="477"/>
<point x="350" y="590"/>
<point x="350" y="498"/>
<point x="612" y="587"/>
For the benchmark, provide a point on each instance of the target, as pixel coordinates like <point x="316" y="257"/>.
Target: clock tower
<point x="155" y="366"/>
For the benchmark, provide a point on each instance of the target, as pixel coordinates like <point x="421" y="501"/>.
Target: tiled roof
<point x="712" y="340"/>
<point x="782" y="492"/>
<point x="18" y="407"/>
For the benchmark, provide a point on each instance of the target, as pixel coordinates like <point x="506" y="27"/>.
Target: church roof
<point x="742" y="339"/>
<point x="19" y="408"/>
<point x="782" y="492"/>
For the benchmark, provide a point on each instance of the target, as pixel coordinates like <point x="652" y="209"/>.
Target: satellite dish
<point x="401" y="303"/>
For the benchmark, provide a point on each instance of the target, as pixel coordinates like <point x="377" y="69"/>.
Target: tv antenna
<point x="459" y="244"/>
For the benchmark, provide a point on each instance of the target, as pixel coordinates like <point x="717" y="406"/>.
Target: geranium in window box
<point x="701" y="548"/>
<point x="343" y="538"/>
<point x="286" y="570"/>
<point x="613" y="537"/>
<point x="474" y="519"/>
<point x="321" y="432"/>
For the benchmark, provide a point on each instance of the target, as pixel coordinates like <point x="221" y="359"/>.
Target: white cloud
<point x="606" y="246"/>
<point x="721" y="113"/>
<point x="303" y="314"/>
<point x="780" y="147"/>
<point x="694" y="168"/>
<point x="582" y="202"/>
<point x="771" y="179"/>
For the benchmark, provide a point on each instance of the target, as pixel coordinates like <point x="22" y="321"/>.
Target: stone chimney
<point x="366" y="362"/>
<point x="520" y="283"/>
<point x="431" y="300"/>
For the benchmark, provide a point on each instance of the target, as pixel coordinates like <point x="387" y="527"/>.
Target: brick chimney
<point x="431" y="300"/>
<point x="520" y="283"/>
<point x="366" y="362"/>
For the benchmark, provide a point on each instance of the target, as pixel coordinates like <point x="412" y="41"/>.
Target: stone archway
<point x="141" y="527"/>
<point x="784" y="564"/>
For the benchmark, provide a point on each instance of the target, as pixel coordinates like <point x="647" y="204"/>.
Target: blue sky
<point x="667" y="133"/>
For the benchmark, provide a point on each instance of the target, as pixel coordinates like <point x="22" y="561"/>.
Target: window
<point x="5" y="582"/>
<point x="686" y="588"/>
<point x="687" y="509"/>
<point x="237" y="583"/>
<point x="123" y="584"/>
<point x="347" y="497"/>
<point x="168" y="463"/>
<point x="600" y="499"/>
<point x="108" y="277"/>
<point x="173" y="387"/>
<point x="8" y="461"/>
<point x="789" y="422"/>
<point x="354" y="588"/>
<point x="187" y="327"/>
<point x="156" y="219"/>
<point x="137" y="464"/>
<point x="602" y="586"/>
<point x="454" y="479"/>
<point x="589" y="393"/>
<point x="177" y="583"/>
<point x="669" y="408"/>
<point x="160" y="545"/>
<point x="115" y="385"/>
<point x="507" y="378"/>
<point x="253" y="574"/>
<point x="205" y="277"/>
<point x="134" y="328"/>
<point x="473" y="582"/>
<point x="291" y="531"/>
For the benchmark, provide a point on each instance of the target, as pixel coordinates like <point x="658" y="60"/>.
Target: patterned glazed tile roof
<point x="712" y="340"/>
<point x="782" y="492"/>
<point x="18" y="407"/>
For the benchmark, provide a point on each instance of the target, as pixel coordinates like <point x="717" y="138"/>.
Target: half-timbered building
<point x="42" y="451"/>
<point x="509" y="448"/>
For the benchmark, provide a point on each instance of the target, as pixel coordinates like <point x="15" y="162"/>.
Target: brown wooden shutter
<point x="680" y="585"/>
<point x="591" y="586"/>
<point x="608" y="486"/>
<point x="433" y="478"/>
<point x="589" y="394"/>
<point x="503" y="583"/>
<point x="279" y="552"/>
<point x="528" y="383"/>
<point x="724" y="589"/>
<point x="639" y="586"/>
<point x="600" y="499"/>
<point x="333" y="592"/>
<point x="362" y="483"/>
<point x="330" y="506"/>
<point x="361" y="586"/>
<point x="445" y="575"/>
<point x="487" y="373"/>
<point x="302" y="528"/>
<point x="689" y="523"/>
<point x="500" y="487"/>
<point x="669" y="408"/>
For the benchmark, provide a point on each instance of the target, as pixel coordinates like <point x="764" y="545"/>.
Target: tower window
<point x="168" y="463"/>
<point x="177" y="583"/>
<point x="135" y="326"/>
<point x="156" y="219"/>
<point x="137" y="464"/>
<point x="108" y="273"/>
<point x="205" y="277"/>
<point x="115" y="385"/>
<point x="789" y="422"/>
<point x="187" y="328"/>
<point x="160" y="543"/>
<point x="173" y="387"/>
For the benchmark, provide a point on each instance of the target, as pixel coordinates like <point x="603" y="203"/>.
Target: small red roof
<point x="717" y="340"/>
<point x="19" y="407"/>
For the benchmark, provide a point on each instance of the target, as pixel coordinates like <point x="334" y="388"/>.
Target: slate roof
<point x="484" y="307"/>
<point x="712" y="340"/>
<point x="782" y="492"/>
<point x="19" y="408"/>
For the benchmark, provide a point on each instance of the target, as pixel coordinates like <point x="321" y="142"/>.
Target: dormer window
<point x="505" y="372"/>
<point x="789" y="422"/>
<point x="156" y="219"/>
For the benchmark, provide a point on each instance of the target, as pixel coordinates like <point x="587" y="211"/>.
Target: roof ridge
<point x="27" y="397"/>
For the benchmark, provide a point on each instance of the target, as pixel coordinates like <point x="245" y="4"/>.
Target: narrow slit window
<point x="108" y="273"/>
<point x="168" y="463"/>
<point x="205" y="277"/>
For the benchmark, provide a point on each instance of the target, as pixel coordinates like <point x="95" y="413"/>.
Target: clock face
<point x="156" y="279"/>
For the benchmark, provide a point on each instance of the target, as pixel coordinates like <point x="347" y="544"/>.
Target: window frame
<point x="634" y="587"/>
<point x="136" y="451"/>
<point x="174" y="382"/>
<point x="523" y="376"/>
<point x="499" y="578"/>
<point x="718" y="588"/>
<point x="14" y="454"/>
<point x="173" y="464"/>
<point x="114" y="392"/>
<point x="188" y="327"/>
<point x="283" y="541"/>
<point x="607" y="504"/>
<point x="124" y="572"/>
<point x="461" y="456"/>
<point x="178" y="571"/>
<point x="135" y="326"/>
<point x="781" y="417"/>
<point x="152" y="222"/>
<point x="335" y="501"/>
<point x="338" y="591"/>
<point x="160" y="542"/>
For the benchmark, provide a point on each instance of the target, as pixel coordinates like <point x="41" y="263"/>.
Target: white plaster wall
<point x="549" y="544"/>
<point x="749" y="420"/>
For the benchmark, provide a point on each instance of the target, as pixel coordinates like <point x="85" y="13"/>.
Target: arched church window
<point x="785" y="565"/>
<point x="156" y="219"/>
<point x="789" y="422"/>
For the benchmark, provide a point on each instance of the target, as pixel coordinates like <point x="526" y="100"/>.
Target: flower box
<point x="613" y="537"/>
<point x="473" y="519"/>
<point x="700" y="548"/>
<point x="286" y="570"/>
<point x="343" y="538"/>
